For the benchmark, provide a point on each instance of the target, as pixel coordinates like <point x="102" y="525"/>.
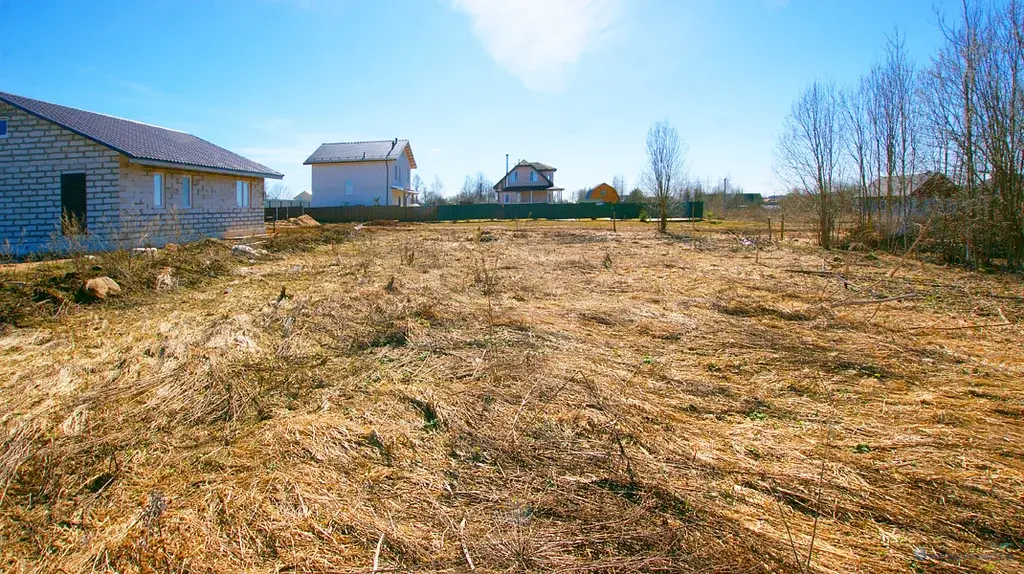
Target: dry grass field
<point x="524" y="397"/>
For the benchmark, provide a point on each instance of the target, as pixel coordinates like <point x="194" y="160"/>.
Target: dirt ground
<point x="526" y="397"/>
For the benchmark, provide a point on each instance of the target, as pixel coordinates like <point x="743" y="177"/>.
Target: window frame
<point x="515" y="177"/>
<point x="533" y="177"/>
<point x="7" y="127"/>
<point x="186" y="197"/>
<point x="159" y="193"/>
<point x="243" y="193"/>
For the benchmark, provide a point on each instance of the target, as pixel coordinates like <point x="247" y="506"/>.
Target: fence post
<point x="770" y="236"/>
<point x="614" y="230"/>
<point x="782" y="228"/>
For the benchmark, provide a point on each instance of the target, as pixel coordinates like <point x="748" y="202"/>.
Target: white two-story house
<point x="363" y="173"/>
<point x="528" y="182"/>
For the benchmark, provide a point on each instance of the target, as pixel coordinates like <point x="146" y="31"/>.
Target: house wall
<point x="371" y="182"/>
<point x="119" y="195"/>
<point x="535" y="196"/>
<point x="524" y="176"/>
<point x="214" y="211"/>
<point x="32" y="158"/>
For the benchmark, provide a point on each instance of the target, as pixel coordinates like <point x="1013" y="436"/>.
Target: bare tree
<point x="434" y="193"/>
<point x="476" y="189"/>
<point x="858" y="143"/>
<point x="976" y="108"/>
<point x="894" y="119"/>
<point x="808" y="152"/>
<point x="279" y="191"/>
<point x="664" y="172"/>
<point x="619" y="183"/>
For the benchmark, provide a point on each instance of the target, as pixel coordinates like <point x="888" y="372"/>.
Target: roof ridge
<point x="364" y="141"/>
<point x="139" y="140"/>
<point x="5" y="95"/>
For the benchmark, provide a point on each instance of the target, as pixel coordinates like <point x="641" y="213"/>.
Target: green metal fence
<point x="486" y="211"/>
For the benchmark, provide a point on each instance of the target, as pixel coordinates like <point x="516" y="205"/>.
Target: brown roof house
<point x="918" y="193"/>
<point x="106" y="182"/>
<point x="528" y="182"/>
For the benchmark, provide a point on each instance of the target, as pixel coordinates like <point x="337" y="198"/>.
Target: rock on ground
<point x="101" y="287"/>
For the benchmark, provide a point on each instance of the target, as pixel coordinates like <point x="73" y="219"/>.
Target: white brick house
<point x="124" y="183"/>
<point x="363" y="173"/>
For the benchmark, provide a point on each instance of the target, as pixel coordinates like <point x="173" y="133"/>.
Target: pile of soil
<point x="304" y="220"/>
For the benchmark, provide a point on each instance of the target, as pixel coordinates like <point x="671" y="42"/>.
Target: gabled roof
<point x="540" y="168"/>
<point x="537" y="165"/>
<point x="144" y="143"/>
<point x="924" y="184"/>
<point x="598" y="188"/>
<point x="346" y="152"/>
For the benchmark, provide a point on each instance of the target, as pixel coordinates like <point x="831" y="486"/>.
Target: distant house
<point x="603" y="193"/>
<point x="733" y="200"/>
<point x="528" y="182"/>
<point x="299" y="201"/>
<point x="916" y="193"/>
<point x="105" y="181"/>
<point x="928" y="184"/>
<point x="363" y="173"/>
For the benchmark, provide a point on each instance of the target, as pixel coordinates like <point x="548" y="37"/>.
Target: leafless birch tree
<point x="665" y="170"/>
<point x="809" y="152"/>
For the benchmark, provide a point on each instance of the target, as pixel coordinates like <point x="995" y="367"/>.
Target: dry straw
<point x="557" y="397"/>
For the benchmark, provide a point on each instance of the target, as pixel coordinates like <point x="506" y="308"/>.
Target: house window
<point x="533" y="176"/>
<point x="3" y="127"/>
<point x="397" y="179"/>
<point x="242" y="193"/>
<point x="515" y="177"/>
<point x="186" y="191"/>
<point x="348" y="187"/>
<point x="506" y="198"/>
<point x="158" y="190"/>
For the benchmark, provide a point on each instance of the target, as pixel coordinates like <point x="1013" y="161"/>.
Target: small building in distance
<point x="602" y="193"/>
<point x="528" y="182"/>
<point x="300" y="200"/>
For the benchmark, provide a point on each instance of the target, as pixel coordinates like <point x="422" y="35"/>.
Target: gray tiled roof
<point x="142" y="141"/>
<point x="538" y="165"/>
<point x="344" y="152"/>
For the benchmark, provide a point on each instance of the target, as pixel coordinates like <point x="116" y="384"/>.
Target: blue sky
<point x="571" y="83"/>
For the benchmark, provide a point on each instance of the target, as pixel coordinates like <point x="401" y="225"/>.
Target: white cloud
<point x="537" y="39"/>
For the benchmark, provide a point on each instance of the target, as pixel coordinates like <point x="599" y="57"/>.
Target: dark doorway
<point x="72" y="203"/>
